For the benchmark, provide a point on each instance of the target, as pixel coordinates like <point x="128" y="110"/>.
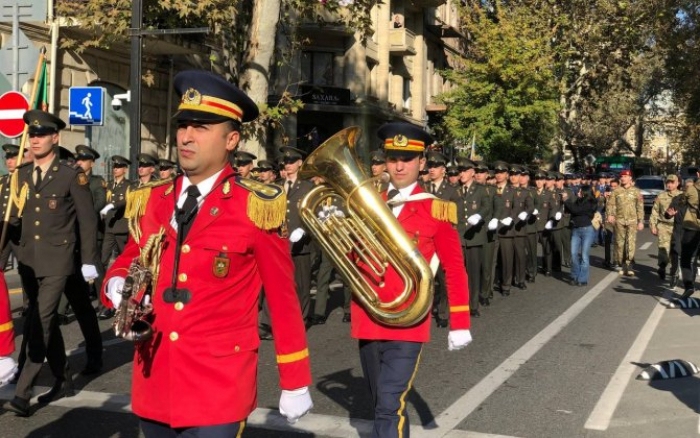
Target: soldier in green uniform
<point x="243" y="163"/>
<point x="662" y="226"/>
<point x="266" y="171"/>
<point x="522" y="208"/>
<point x="490" y="248"/>
<point x="503" y="222"/>
<point x="543" y="223"/>
<point x="558" y="223"/>
<point x="438" y="186"/>
<point x="378" y="167"/>
<point x="453" y="174"/>
<point x="57" y="216"/>
<point x="13" y="229"/>
<point x="530" y="229"/>
<point x="473" y="213"/>
<point x="625" y="210"/>
<point x="166" y="169"/>
<point x="568" y="190"/>
<point x="146" y="170"/>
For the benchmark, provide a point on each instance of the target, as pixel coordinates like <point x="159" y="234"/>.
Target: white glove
<point x="106" y="209"/>
<point x="493" y="224"/>
<point x="557" y="216"/>
<point x="458" y="339"/>
<point x="548" y="225"/>
<point x="114" y="290"/>
<point x="522" y="216"/>
<point x="329" y="211"/>
<point x="8" y="369"/>
<point x="295" y="404"/>
<point x="535" y="212"/>
<point x="474" y="219"/>
<point x="507" y="221"/>
<point x="296" y="235"/>
<point x="89" y="272"/>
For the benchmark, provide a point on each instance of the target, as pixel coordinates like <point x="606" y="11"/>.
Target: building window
<point x="406" y="93"/>
<point x="317" y="68"/>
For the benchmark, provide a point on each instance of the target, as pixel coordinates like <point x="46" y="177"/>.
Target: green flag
<point x="41" y="101"/>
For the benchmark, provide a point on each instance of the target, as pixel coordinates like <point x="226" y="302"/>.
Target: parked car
<point x="650" y="186"/>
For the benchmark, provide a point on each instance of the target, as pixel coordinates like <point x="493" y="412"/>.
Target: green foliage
<point x="504" y="94"/>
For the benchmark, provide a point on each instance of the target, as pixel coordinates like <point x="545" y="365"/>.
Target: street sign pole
<point x="135" y="78"/>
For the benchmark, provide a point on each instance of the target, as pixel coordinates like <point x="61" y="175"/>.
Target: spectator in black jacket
<point x="582" y="210"/>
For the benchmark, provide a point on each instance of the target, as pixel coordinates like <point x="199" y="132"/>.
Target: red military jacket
<point x="433" y="235"/>
<point x="7" y="333"/>
<point x="200" y="368"/>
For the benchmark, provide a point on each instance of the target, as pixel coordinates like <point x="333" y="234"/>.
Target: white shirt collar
<point x="204" y="187"/>
<point x="405" y="192"/>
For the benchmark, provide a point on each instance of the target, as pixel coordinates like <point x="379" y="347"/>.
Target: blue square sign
<point x="86" y="106"/>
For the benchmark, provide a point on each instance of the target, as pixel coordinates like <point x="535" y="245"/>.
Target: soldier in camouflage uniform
<point x="625" y="210"/>
<point x="662" y="226"/>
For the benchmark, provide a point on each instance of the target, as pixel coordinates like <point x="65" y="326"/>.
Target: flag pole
<point x="12" y="180"/>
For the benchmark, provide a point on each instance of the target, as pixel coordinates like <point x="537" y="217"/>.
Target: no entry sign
<point x="13" y="105"/>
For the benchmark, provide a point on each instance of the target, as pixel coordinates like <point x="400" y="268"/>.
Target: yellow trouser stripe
<point x="459" y="308"/>
<point x="240" y="429"/>
<point x="293" y="357"/>
<point x="6" y="327"/>
<point x="402" y="419"/>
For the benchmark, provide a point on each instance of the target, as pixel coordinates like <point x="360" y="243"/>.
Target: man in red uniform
<point x="8" y="366"/>
<point x="390" y="355"/>
<point x="197" y="375"/>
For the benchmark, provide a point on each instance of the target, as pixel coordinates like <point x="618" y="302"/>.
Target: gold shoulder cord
<point x="444" y="210"/>
<point x="18" y="197"/>
<point x="136" y="202"/>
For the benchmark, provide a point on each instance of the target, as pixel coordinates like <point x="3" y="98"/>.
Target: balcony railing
<point x="402" y="42"/>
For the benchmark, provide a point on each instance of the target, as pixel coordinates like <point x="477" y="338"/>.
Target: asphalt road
<point x="539" y="363"/>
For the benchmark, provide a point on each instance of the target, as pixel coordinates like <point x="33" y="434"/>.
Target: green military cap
<point x="11" y="150"/>
<point x="465" y="163"/>
<point x="481" y="166"/>
<point x="86" y="153"/>
<point x="119" y="161"/>
<point x="65" y="154"/>
<point x="550" y="175"/>
<point x="452" y="169"/>
<point x="42" y="123"/>
<point x="436" y="159"/>
<point x="540" y="174"/>
<point x="147" y="160"/>
<point x="242" y="158"/>
<point x="559" y="176"/>
<point x="377" y="157"/>
<point x="265" y="165"/>
<point x="292" y="154"/>
<point x="671" y="177"/>
<point x="500" y="166"/>
<point x="515" y="169"/>
<point x="164" y="164"/>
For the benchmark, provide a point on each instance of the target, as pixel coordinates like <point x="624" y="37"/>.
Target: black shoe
<point x="474" y="313"/>
<point x="318" y="320"/>
<point x="688" y="292"/>
<point x="62" y="388"/>
<point x="662" y="273"/>
<point x="441" y="323"/>
<point x="487" y="302"/>
<point x="505" y="293"/>
<point x="347" y="317"/>
<point x="521" y="286"/>
<point x="19" y="406"/>
<point x="64" y="319"/>
<point x="106" y="314"/>
<point x="530" y="279"/>
<point x="93" y="366"/>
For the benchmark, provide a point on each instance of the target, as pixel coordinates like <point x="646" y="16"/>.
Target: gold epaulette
<point x="136" y="201"/>
<point x="267" y="203"/>
<point x="444" y="210"/>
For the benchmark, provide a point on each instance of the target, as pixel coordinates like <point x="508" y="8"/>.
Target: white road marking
<point x="605" y="408"/>
<point x="467" y="403"/>
<point x="646" y="246"/>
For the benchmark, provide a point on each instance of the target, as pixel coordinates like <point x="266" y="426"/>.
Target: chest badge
<point x="221" y="265"/>
<point x="214" y="211"/>
<point x="53" y="204"/>
<point x="474" y="206"/>
<point x="507" y="203"/>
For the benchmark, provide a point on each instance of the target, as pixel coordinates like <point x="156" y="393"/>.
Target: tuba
<point x="367" y="233"/>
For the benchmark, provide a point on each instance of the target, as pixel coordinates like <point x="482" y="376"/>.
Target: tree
<point x="504" y="94"/>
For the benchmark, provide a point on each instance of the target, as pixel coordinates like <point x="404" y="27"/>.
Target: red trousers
<point x="7" y="334"/>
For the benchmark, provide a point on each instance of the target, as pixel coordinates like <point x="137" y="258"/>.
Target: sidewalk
<point x="661" y="407"/>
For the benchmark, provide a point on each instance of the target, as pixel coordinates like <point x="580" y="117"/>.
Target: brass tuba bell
<point x="368" y="233"/>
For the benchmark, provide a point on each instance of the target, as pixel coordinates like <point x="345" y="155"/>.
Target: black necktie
<point x="392" y="194"/>
<point x="289" y="186"/>
<point x="186" y="215"/>
<point x="38" y="177"/>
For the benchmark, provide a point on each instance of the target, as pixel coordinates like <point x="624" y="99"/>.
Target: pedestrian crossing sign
<point x="86" y="106"/>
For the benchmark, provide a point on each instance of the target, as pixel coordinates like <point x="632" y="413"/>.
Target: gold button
<point x="182" y="277"/>
<point x="225" y="248"/>
<point x="37" y="209"/>
<point x="185" y="249"/>
<point x="37" y="196"/>
<point x="237" y="349"/>
<point x="174" y="336"/>
<point x="37" y="223"/>
<point x="37" y="237"/>
<point x="179" y="306"/>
